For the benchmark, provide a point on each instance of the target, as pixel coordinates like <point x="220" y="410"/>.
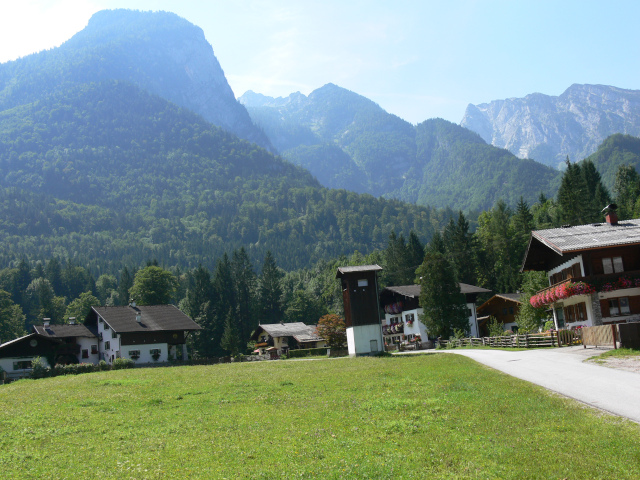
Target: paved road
<point x="562" y="370"/>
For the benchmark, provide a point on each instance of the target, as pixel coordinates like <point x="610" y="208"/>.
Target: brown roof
<point x="154" y="318"/>
<point x="64" y="331"/>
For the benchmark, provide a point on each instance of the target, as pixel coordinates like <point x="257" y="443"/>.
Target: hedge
<point x="307" y="352"/>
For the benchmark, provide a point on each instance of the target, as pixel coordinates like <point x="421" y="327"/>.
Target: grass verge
<point x="427" y="416"/>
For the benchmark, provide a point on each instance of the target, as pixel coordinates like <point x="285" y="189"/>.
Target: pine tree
<point x="270" y="291"/>
<point x="627" y="190"/>
<point x="245" y="285"/>
<point x="230" y="340"/>
<point x="124" y="285"/>
<point x="573" y="197"/>
<point x="444" y="307"/>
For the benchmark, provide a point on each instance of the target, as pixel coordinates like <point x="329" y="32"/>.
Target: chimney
<point x="610" y="214"/>
<point x="138" y="317"/>
<point x="46" y="322"/>
<point x="72" y="320"/>
<point x="132" y="304"/>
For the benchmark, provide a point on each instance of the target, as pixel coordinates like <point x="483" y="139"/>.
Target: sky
<point x="416" y="59"/>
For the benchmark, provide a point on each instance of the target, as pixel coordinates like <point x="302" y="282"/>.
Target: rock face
<point x="548" y="128"/>
<point x="157" y="51"/>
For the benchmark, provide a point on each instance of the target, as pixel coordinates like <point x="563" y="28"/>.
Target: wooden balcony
<point x="595" y="280"/>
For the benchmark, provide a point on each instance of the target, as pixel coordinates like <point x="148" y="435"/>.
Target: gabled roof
<point x="63" y="331"/>
<point x="573" y="240"/>
<point x="413" y="291"/>
<point x="153" y="318"/>
<point x="297" y="330"/>
<point x="12" y="344"/>
<point x="356" y="269"/>
<point x="511" y="297"/>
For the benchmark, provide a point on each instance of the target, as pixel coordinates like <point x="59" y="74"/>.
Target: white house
<point x="145" y="334"/>
<point x="402" y="312"/>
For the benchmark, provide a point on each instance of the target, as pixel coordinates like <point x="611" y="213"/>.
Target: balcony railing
<point x="585" y="286"/>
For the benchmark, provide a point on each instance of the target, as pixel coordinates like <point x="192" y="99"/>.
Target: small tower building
<point x="361" y="309"/>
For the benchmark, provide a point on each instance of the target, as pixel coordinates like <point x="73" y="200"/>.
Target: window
<point x="107" y="345"/>
<point x="135" y="354"/>
<point x="575" y="313"/>
<point x="94" y="349"/>
<point x="619" y="306"/>
<point x="363" y="283"/>
<point x="85" y="353"/>
<point x="154" y="351"/>
<point x="409" y="318"/>
<point x="504" y="311"/>
<point x="612" y="265"/>
<point x="22" y="365"/>
<point x="510" y="310"/>
<point x="469" y="314"/>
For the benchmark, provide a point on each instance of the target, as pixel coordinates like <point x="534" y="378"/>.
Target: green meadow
<point x="423" y="416"/>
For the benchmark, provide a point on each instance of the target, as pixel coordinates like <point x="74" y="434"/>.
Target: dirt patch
<point x="630" y="364"/>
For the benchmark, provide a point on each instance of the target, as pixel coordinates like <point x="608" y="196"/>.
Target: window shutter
<point x="634" y="304"/>
<point x="604" y="307"/>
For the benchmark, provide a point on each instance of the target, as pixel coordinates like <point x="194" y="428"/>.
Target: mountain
<point x="157" y="51"/>
<point x="109" y="175"/>
<point x="347" y="141"/>
<point x="615" y="151"/>
<point x="548" y="128"/>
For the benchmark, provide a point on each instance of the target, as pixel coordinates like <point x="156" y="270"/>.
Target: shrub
<point x="549" y="325"/>
<point x="102" y="365"/>
<point x="38" y="370"/>
<point x="306" y="352"/>
<point x="122" y="363"/>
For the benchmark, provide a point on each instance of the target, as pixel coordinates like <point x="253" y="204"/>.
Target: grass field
<point x="422" y="416"/>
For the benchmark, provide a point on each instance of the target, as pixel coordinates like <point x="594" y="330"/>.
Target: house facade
<point x="144" y="334"/>
<point x="503" y="307"/>
<point x="593" y="272"/>
<point x="401" y="323"/>
<point x="278" y="338"/>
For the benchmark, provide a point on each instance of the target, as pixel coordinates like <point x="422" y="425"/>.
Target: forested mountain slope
<point x="157" y="51"/>
<point x="548" y="128"/>
<point x="615" y="151"/>
<point x="107" y="174"/>
<point x="348" y="141"/>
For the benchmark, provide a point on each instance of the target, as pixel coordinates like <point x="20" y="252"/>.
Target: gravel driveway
<point x="565" y="371"/>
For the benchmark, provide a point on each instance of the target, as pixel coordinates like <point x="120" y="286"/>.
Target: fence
<point x="527" y="340"/>
<point x="627" y="335"/>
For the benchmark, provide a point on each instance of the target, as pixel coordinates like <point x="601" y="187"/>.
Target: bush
<point x="307" y="352"/>
<point x="122" y="363"/>
<point x="102" y="365"/>
<point x="38" y="370"/>
<point x="549" y="325"/>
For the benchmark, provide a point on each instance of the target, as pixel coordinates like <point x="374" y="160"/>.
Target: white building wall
<point x="85" y="344"/>
<point x="473" y="320"/>
<point x="359" y="339"/>
<point x="145" y="352"/>
<point x="7" y="365"/>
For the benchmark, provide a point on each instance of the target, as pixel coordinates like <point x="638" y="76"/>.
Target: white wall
<point x="85" y="344"/>
<point x="359" y="339"/>
<point x="7" y="365"/>
<point x="145" y="352"/>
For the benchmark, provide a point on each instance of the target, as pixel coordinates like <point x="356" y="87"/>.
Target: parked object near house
<point x="503" y="307"/>
<point x="145" y="334"/>
<point x="361" y="309"/>
<point x="401" y="325"/>
<point x="593" y="271"/>
<point x="277" y="339"/>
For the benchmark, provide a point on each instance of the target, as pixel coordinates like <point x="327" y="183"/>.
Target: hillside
<point x="348" y="141"/>
<point x="108" y="174"/>
<point x="159" y="52"/>
<point x="548" y="128"/>
<point x="616" y="150"/>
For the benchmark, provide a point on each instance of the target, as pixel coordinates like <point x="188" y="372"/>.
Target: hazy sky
<point x="416" y="59"/>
